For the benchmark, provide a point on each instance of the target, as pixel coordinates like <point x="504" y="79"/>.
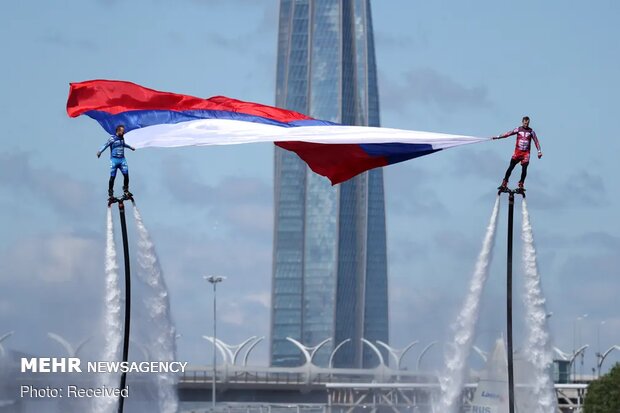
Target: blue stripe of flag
<point x="398" y="152"/>
<point x="142" y="118"/>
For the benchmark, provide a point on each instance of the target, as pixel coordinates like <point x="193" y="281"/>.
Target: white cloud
<point x="57" y="258"/>
<point x="427" y="86"/>
<point x="59" y="191"/>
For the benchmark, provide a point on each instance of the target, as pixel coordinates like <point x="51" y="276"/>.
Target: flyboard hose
<point x="511" y="393"/>
<point x="121" y="210"/>
<point x="511" y="208"/>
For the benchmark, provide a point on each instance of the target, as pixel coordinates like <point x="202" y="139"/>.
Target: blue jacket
<point x="117" y="147"/>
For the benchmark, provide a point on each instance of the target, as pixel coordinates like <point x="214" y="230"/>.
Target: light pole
<point x="601" y="357"/>
<point x="598" y="346"/>
<point x="580" y="341"/>
<point x="598" y="336"/>
<point x="423" y="352"/>
<point x="2" y="338"/>
<point x="575" y="344"/>
<point x="214" y="279"/>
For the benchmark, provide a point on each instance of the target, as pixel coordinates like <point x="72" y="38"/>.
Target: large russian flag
<point x="161" y="119"/>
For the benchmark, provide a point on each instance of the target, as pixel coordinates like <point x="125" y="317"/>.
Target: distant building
<point x="561" y="371"/>
<point x="330" y="264"/>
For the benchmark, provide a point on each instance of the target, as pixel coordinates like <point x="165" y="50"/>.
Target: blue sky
<point x="456" y="67"/>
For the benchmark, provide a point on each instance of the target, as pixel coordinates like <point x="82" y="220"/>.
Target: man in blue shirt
<point x="117" y="160"/>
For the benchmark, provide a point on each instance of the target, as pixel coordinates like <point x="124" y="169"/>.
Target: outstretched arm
<point x="129" y="146"/>
<point x="104" y="147"/>
<point x="507" y="134"/>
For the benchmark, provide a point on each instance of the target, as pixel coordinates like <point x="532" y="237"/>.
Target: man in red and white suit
<point x="525" y="135"/>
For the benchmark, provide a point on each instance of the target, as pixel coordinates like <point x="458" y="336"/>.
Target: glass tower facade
<point x="329" y="264"/>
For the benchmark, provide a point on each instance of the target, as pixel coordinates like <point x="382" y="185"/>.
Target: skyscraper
<point x="330" y="265"/>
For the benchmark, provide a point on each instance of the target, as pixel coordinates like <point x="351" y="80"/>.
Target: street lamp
<point x="598" y="346"/>
<point x="581" y="317"/>
<point x="431" y="344"/>
<point x="601" y="358"/>
<point x="598" y="336"/>
<point x="214" y="279"/>
<point x="2" y="338"/>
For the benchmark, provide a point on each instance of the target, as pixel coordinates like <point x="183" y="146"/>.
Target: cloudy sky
<point x="455" y="67"/>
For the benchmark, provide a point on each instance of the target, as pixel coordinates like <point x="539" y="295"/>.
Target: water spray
<point x="113" y="326"/>
<point x="162" y="334"/>
<point x="452" y="378"/>
<point x="538" y="345"/>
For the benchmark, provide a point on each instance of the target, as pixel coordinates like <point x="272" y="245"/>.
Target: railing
<point x="202" y="376"/>
<point x="298" y="376"/>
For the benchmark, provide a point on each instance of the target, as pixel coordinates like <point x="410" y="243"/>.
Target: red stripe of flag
<point x="336" y="161"/>
<point x="115" y="96"/>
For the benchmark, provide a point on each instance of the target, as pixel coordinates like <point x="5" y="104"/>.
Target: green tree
<point x="603" y="395"/>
